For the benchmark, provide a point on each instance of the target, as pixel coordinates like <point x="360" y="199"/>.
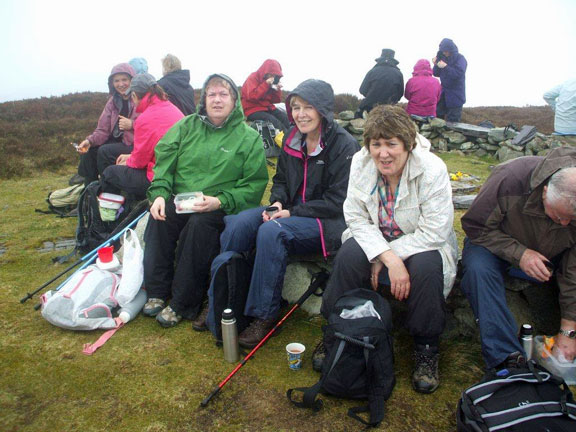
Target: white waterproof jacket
<point x="423" y="210"/>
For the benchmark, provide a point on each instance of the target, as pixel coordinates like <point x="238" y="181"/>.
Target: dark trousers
<point x="119" y="178"/>
<point x="277" y="117"/>
<point x="98" y="158"/>
<point x="178" y="255"/>
<point x="426" y="304"/>
<point x="483" y="285"/>
<point x="452" y="114"/>
<point x="274" y="241"/>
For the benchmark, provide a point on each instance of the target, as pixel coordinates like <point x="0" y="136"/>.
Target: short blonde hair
<point x="170" y="63"/>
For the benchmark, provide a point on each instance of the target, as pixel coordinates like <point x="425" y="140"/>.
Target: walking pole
<point x="318" y="280"/>
<point x="88" y="258"/>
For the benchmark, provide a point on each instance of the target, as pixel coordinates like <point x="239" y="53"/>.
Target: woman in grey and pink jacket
<point x="114" y="134"/>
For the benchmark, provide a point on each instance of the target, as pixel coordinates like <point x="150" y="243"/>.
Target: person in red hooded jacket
<point x="260" y="91"/>
<point x="422" y="90"/>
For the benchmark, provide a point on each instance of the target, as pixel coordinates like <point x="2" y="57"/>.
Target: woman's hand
<point x="83" y="147"/>
<point x="121" y="160"/>
<point x="158" y="209"/>
<point x="265" y="217"/>
<point x="124" y="123"/>
<point x="399" y="277"/>
<point x="281" y="214"/>
<point x="208" y="204"/>
<point x="376" y="269"/>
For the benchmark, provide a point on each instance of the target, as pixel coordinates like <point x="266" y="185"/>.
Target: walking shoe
<point x="318" y="357"/>
<point x="199" y="324"/>
<point x="425" y="376"/>
<point x="153" y="307"/>
<point x="168" y="318"/>
<point x="255" y="332"/>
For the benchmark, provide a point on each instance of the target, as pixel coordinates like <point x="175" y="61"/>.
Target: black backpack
<point x="231" y="273"/>
<point x="268" y="132"/>
<point x="359" y="361"/>
<point x="92" y="231"/>
<point x="523" y="399"/>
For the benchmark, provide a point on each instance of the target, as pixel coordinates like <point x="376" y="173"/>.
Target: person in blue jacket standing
<point x="450" y="66"/>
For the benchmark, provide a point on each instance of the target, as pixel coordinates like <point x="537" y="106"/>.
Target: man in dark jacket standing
<point x="450" y="66"/>
<point x="523" y="221"/>
<point x="383" y="84"/>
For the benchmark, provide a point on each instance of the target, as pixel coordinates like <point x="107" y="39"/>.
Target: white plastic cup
<point x="295" y="352"/>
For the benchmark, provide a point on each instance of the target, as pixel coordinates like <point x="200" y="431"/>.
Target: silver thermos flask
<point x="230" y="337"/>
<point x="527" y="340"/>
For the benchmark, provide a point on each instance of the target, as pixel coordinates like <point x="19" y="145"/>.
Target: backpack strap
<point x="483" y="391"/>
<point x="89" y="349"/>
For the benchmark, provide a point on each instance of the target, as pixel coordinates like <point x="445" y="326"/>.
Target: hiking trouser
<point x="277" y="117"/>
<point x="119" y="178"/>
<point x="483" y="285"/>
<point x="274" y="241"/>
<point x="426" y="304"/>
<point x="97" y="158"/>
<point x="178" y="255"/>
<point x="450" y="114"/>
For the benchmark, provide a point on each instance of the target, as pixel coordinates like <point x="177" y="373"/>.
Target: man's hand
<point x="398" y="274"/>
<point x="441" y="64"/>
<point x="121" y="160"/>
<point x="124" y="123"/>
<point x="534" y="265"/>
<point x="208" y="204"/>
<point x="158" y="209"/>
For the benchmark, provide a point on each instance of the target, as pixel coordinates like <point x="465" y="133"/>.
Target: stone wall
<point x="465" y="138"/>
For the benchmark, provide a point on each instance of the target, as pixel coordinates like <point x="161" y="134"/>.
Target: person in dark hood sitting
<point x="176" y="84"/>
<point x="308" y="192"/>
<point x="383" y="84"/>
<point x="114" y="134"/>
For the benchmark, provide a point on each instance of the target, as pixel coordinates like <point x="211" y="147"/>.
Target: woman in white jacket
<point x="400" y="239"/>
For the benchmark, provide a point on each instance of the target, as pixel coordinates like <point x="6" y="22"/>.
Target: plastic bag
<point x="132" y="269"/>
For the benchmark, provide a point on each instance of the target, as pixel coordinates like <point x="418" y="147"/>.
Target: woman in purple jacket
<point x="422" y="90"/>
<point x="114" y="134"/>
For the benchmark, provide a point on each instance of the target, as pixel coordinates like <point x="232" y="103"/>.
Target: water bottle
<point x="130" y="311"/>
<point x="230" y="337"/>
<point x="527" y="340"/>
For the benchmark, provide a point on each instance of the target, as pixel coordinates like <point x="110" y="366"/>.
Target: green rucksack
<point x="63" y="201"/>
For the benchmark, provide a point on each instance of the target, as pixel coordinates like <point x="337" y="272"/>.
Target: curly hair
<point x="390" y="121"/>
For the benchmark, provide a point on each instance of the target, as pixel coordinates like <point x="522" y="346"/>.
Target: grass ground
<point x="151" y="379"/>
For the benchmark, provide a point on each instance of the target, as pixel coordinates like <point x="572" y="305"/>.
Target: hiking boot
<point x="255" y="332"/>
<point x="425" y="376"/>
<point x="199" y="324"/>
<point x="318" y="357"/>
<point x="76" y="179"/>
<point x="168" y="318"/>
<point x="153" y="307"/>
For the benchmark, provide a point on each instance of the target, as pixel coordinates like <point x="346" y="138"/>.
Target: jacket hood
<point x="119" y="68"/>
<point x="237" y="114"/>
<point x="422" y="68"/>
<point x="180" y="77"/>
<point x="448" y="45"/>
<point x="271" y="67"/>
<point x="562" y="157"/>
<point x="316" y="92"/>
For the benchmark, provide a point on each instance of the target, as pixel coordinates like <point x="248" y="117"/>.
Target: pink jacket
<point x="422" y="90"/>
<point x="156" y="117"/>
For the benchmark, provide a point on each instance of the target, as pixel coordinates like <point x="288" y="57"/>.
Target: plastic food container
<point x="109" y="204"/>
<point x="185" y="201"/>
<point x="545" y="358"/>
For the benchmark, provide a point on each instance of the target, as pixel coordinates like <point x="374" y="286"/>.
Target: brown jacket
<point x="507" y="217"/>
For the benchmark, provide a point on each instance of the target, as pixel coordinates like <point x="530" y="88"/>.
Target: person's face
<point x="446" y="53"/>
<point x="219" y="104"/>
<point x="390" y="156"/>
<point x="135" y="99"/>
<point x="559" y="211"/>
<point x="307" y="119"/>
<point x="121" y="82"/>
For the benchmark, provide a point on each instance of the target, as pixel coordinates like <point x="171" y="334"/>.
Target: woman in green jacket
<point x="213" y="152"/>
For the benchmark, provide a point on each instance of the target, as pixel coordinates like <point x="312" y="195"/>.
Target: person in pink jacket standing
<point x="422" y="90"/>
<point x="133" y="173"/>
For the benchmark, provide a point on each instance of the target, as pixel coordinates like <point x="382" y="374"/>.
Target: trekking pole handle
<point x="354" y="341"/>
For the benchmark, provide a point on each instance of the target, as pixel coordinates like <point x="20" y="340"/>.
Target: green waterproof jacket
<point x="227" y="162"/>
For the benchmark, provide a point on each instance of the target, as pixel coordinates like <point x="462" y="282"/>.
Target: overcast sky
<point x="516" y="50"/>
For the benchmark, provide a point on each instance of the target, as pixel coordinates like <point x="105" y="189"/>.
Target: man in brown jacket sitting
<point x="524" y="220"/>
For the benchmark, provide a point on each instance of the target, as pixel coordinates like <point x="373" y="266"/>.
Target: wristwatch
<point x="568" y="333"/>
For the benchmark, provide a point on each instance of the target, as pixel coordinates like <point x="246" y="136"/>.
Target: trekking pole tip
<point x="206" y="401"/>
